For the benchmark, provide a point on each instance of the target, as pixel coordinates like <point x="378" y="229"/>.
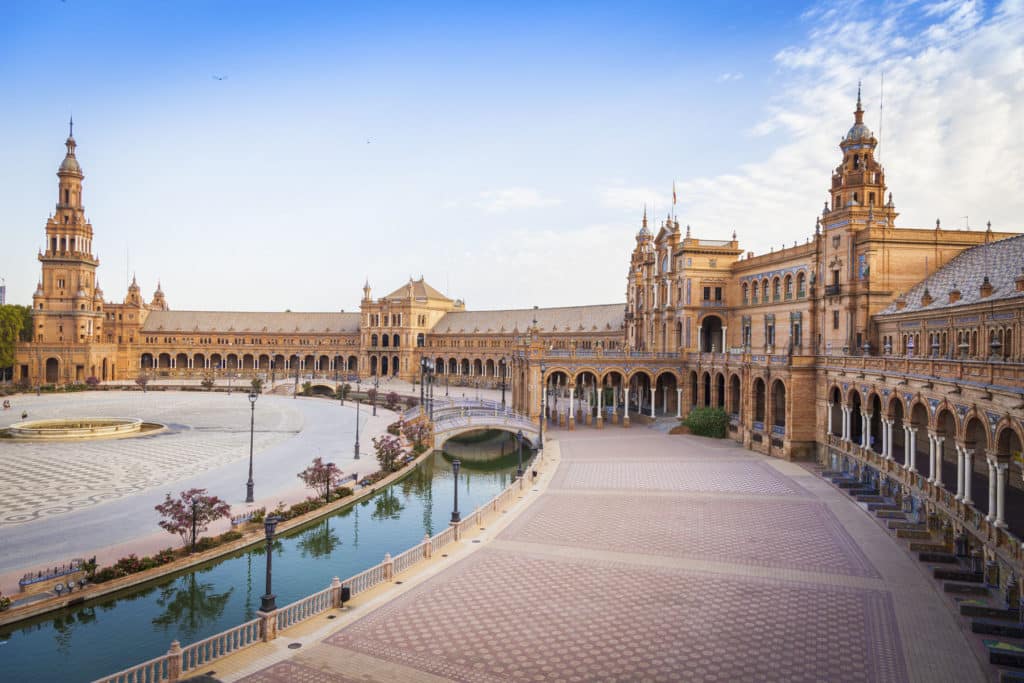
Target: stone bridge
<point x="452" y="417"/>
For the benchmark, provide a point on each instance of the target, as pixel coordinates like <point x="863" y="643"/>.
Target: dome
<point x="859" y="131"/>
<point x="70" y="164"/>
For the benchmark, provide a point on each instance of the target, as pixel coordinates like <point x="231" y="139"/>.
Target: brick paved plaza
<point x="656" y="558"/>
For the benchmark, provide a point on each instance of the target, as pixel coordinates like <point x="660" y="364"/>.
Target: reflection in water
<point x="387" y="505"/>
<point x="189" y="606"/>
<point x="319" y="540"/>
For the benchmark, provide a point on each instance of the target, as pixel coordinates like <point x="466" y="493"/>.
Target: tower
<point x="65" y="306"/>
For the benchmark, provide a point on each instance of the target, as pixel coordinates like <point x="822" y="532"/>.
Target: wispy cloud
<point x="507" y="199"/>
<point x="949" y="140"/>
<point x="729" y="76"/>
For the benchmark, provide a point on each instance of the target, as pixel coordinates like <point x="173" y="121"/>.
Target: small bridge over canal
<point x="456" y="416"/>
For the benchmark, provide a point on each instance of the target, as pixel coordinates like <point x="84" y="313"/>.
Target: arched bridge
<point x="459" y="416"/>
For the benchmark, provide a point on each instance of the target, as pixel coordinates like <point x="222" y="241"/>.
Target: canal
<point x="115" y="632"/>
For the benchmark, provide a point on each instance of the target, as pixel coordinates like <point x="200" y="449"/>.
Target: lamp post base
<point x="356" y="455"/>
<point x="248" y="491"/>
<point x="268" y="603"/>
<point x="456" y="517"/>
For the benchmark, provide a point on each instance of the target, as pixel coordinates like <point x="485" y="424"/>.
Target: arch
<point x="216" y="361"/>
<point x="146" y="361"/>
<point x="945" y="428"/>
<point x="395" y="367"/>
<point x="385" y="340"/>
<point x="897" y="415"/>
<point x="489" y="368"/>
<point x="420" y="340"/>
<point x="478" y="367"/>
<point x="396" y="341"/>
<point x="640" y="383"/>
<point x="856" y="423"/>
<point x="322" y="390"/>
<point x="835" y="398"/>
<point x="779" y="404"/>
<point x="754" y="288"/>
<point x="453" y="366"/>
<point x="353" y="364"/>
<point x="263" y="361"/>
<point x="764" y="290"/>
<point x="373" y="340"/>
<point x="711" y="334"/>
<point x="464" y="366"/>
<point x="693" y="389"/>
<point x="759" y="401"/>
<point x="52" y="370"/>
<point x="720" y="390"/>
<point x="745" y="291"/>
<point x="278" y="362"/>
<point x="444" y="436"/>
<point x="384" y="363"/>
<point x="199" y="360"/>
<point x="735" y="394"/>
<point x="248" y="362"/>
<point x="801" y="285"/>
<point x="307" y="363"/>
<point x="787" y="286"/>
<point x="323" y="364"/>
<point x="232" y="361"/>
<point x="373" y="365"/>
<point x="181" y="361"/>
<point x="163" y="360"/>
<point x="665" y="384"/>
<point x="1008" y="441"/>
<point x="103" y="370"/>
<point x="875" y="440"/>
<point x="776" y="288"/>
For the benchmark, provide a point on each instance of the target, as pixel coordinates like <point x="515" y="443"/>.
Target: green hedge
<point x="713" y="422"/>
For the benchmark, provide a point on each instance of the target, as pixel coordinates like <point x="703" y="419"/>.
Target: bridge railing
<point x="170" y="667"/>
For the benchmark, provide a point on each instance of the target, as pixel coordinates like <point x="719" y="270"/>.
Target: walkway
<point x="653" y="557"/>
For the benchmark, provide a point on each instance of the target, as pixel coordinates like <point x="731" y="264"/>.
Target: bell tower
<point x="64" y="305"/>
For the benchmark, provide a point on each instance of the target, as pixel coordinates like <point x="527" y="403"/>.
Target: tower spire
<point x="71" y="126"/>
<point x="859" y="113"/>
<point x="645" y="216"/>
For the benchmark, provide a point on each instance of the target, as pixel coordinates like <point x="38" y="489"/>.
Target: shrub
<point x="92" y="381"/>
<point x="394" y="428"/>
<point x="257" y="385"/>
<point x="713" y="422"/>
<point x="307" y="388"/>
<point x="342" y="492"/>
<point x="391" y="400"/>
<point x="229" y="536"/>
<point x="207" y="383"/>
<point x="5" y="602"/>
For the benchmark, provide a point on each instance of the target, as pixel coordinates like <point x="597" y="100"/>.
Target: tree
<point x="92" y="381"/>
<point x="371" y="395"/>
<point x="257" y="385"/>
<point x="307" y="388"/>
<point x="142" y="381"/>
<point x="15" y="326"/>
<point x="191" y="513"/>
<point x="207" y="382"/>
<point x="391" y="400"/>
<point x="389" y="450"/>
<point x="343" y="391"/>
<point x="416" y="432"/>
<point x="322" y="477"/>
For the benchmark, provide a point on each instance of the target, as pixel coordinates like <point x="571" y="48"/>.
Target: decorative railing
<point x="778" y="430"/>
<point x="303" y="609"/>
<point x="205" y="651"/>
<point x="169" y="667"/>
<point x="758" y="426"/>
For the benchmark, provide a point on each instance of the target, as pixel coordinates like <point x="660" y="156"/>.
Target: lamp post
<point x="456" y="517"/>
<point x="543" y="405"/>
<point x="356" y="456"/>
<point x="268" y="602"/>
<point x="195" y="502"/>
<point x="431" y="394"/>
<point x="519" y="439"/>
<point x="252" y="423"/>
<point x="446" y="375"/>
<point x="273" y="377"/>
<point x="501" y="366"/>
<point x="376" y="384"/>
<point x="295" y="394"/>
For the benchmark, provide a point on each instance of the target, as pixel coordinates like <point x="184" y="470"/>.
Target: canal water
<point x="113" y="633"/>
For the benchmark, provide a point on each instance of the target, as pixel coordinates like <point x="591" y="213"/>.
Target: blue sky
<point x="504" y="152"/>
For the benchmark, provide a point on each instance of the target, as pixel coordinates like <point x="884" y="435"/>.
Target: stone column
<point x="724" y="328"/>
<point x="572" y="413"/>
<point x="652" y="402"/>
<point x="625" y="406"/>
<point x="991" y="490"/>
<point x="959" y="472"/>
<point x="828" y="416"/>
<point x="968" y="471"/>
<point x="679" y="403"/>
<point x="664" y="400"/>
<point x="700" y="339"/>
<point x="1001" y="470"/>
<point x="911" y="440"/>
<point x="937" y="462"/>
<point x="600" y="407"/>
<point x="931" y="457"/>
<point x="845" y="429"/>
<point x="865" y="430"/>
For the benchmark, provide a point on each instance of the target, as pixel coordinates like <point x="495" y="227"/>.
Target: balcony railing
<point x="832" y="290"/>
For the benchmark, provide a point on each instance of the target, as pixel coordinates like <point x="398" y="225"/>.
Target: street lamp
<point x="501" y="365"/>
<point x="269" y="603"/>
<point x="519" y="439"/>
<point x="252" y="423"/>
<point x="376" y="384"/>
<point x="195" y="502"/>
<point x="295" y="393"/>
<point x="543" y="405"/>
<point x="456" y="517"/>
<point x="356" y="457"/>
<point x="273" y="377"/>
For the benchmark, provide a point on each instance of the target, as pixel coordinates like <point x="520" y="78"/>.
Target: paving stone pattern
<point x="741" y="531"/>
<point x="207" y="431"/>
<point x="609" y="621"/>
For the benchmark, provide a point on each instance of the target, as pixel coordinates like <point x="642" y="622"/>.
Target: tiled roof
<point x="420" y="290"/>
<point x="568" y="319"/>
<point x="231" y="322"/>
<point x="1001" y="261"/>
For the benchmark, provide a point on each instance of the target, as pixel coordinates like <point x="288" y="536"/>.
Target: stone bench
<point x="997" y="627"/>
<point x="962" y="575"/>
<point x="965" y="588"/>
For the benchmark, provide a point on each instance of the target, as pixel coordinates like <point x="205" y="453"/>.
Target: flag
<point x="673" y="193"/>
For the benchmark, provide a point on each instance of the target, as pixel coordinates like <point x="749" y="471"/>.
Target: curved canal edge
<point x="251" y="538"/>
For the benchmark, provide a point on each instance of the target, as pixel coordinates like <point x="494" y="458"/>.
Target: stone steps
<point x="965" y="588"/>
<point x="914" y="534"/>
<point x="961" y="575"/>
<point x="938" y="558"/>
<point x="970" y="609"/>
<point x="997" y="627"/>
<point x="912" y="526"/>
<point x="1002" y="653"/>
<point x="870" y="499"/>
<point x="884" y="507"/>
<point x="1011" y="677"/>
<point x="929" y="548"/>
<point x="891" y="514"/>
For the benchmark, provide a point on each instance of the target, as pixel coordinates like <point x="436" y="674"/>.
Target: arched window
<point x="373" y="340"/>
<point x="801" y="281"/>
<point x="746" y="292"/>
<point x="776" y="289"/>
<point x="764" y="290"/>
<point x="789" y="287"/>
<point x="395" y="341"/>
<point x="754" y="292"/>
<point x="419" y="340"/>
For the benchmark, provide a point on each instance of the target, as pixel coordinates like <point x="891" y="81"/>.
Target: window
<point x="718" y="293"/>
<point x="66" y="197"/>
<point x="754" y="293"/>
<point x="707" y="294"/>
<point x="835" y="320"/>
<point x="746" y="293"/>
<point x="800" y="284"/>
<point x="835" y="278"/>
<point x="776" y="289"/>
<point x="788" y="287"/>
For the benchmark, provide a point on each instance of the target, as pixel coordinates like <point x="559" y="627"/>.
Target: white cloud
<point x="497" y="201"/>
<point x="729" y="76"/>
<point x="634" y="199"/>
<point x="954" y="96"/>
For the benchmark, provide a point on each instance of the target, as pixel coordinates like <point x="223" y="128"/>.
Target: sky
<point x="272" y="156"/>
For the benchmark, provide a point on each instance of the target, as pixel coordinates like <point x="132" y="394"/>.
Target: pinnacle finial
<point x="71" y="126"/>
<point x="645" y="216"/>
<point x="858" y="96"/>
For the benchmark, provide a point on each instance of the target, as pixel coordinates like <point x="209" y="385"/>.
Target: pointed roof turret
<point x="70" y="164"/>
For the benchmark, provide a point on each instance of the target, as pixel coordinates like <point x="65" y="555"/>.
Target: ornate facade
<point x="894" y="351"/>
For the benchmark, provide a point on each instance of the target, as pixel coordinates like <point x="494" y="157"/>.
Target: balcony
<point x="832" y="290"/>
